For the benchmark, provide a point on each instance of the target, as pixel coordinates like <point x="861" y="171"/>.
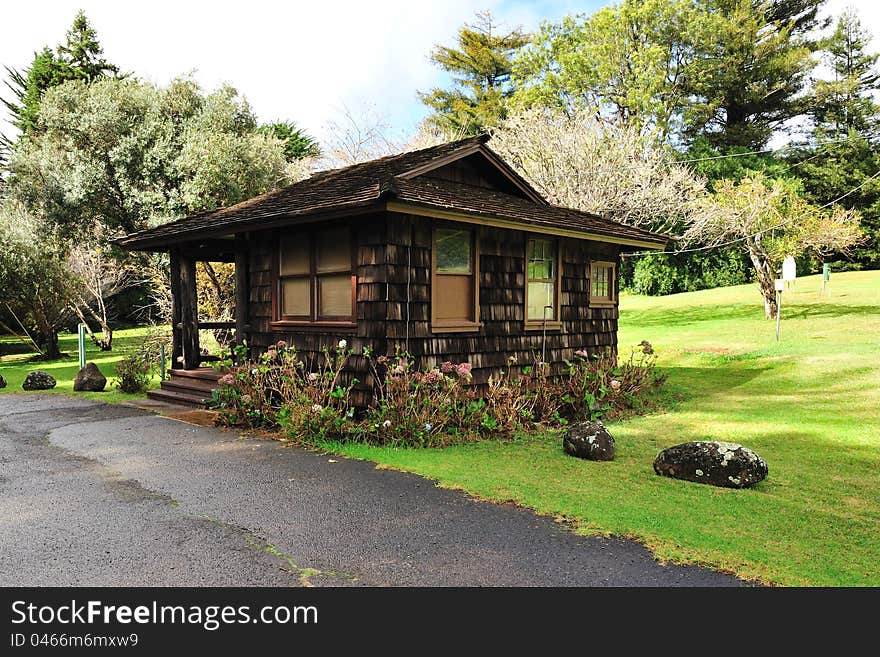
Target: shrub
<point x="428" y="408"/>
<point x="133" y="373"/>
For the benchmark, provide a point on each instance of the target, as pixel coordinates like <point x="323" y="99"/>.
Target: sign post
<point x="780" y="286"/>
<point x="82" y="346"/>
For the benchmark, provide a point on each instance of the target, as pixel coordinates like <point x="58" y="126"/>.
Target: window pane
<point x="453" y="250"/>
<point x="454" y="298"/>
<point x="540" y="296"/>
<point x="542" y="259"/>
<point x="333" y="250"/>
<point x="294" y="254"/>
<point x="334" y="294"/>
<point x="295" y="297"/>
<point x="602" y="281"/>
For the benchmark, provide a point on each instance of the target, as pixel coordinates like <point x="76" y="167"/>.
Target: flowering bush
<point x="277" y="389"/>
<point x="432" y="407"/>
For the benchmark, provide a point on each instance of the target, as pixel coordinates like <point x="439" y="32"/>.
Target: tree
<point x="79" y="58"/>
<point x="36" y="283"/>
<point x="846" y="102"/>
<point x="578" y="161"/>
<point x="116" y="156"/>
<point x="630" y="63"/>
<point x="297" y="144"/>
<point x="770" y="220"/>
<point x="752" y="70"/>
<point x="480" y="66"/>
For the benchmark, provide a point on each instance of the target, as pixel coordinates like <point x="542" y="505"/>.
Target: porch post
<point x="189" y="314"/>
<point x="242" y="288"/>
<point x="176" y="342"/>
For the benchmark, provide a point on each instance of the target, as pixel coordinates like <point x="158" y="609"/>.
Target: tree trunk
<point x="766" y="276"/>
<point x="51" y="351"/>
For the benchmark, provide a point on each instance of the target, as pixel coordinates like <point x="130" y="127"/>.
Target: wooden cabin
<point x="445" y="253"/>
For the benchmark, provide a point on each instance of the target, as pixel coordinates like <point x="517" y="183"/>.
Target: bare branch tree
<point x="580" y="162"/>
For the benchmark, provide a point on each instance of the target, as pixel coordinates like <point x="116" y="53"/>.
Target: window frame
<point x="456" y="326"/>
<point x="314" y="319"/>
<point x="541" y="324"/>
<point x="611" y="300"/>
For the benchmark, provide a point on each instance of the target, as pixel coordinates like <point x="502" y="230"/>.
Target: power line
<point x="760" y="232"/>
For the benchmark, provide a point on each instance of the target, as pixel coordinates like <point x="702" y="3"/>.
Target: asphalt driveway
<point x="96" y="494"/>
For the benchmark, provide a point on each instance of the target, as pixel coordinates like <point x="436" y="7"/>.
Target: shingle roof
<point x="369" y="183"/>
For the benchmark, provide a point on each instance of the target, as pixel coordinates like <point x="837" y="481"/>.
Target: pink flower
<point x="382" y="359"/>
<point x="583" y="353"/>
<point x="226" y="380"/>
<point x="281" y="344"/>
<point x="447" y="367"/>
<point x="271" y="352"/>
<point x="464" y="369"/>
<point x="434" y="376"/>
<point x="313" y="377"/>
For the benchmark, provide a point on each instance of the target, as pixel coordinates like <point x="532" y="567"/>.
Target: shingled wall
<point x="394" y="295"/>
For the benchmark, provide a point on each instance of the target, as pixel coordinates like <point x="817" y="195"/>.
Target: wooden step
<point x="204" y="373"/>
<point x="194" y="386"/>
<point x="184" y="399"/>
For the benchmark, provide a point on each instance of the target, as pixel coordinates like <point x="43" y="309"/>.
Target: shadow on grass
<point x="685" y="315"/>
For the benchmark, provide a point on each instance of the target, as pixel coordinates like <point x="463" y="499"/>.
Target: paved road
<point x="96" y="494"/>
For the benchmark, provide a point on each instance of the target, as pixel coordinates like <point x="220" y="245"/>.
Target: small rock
<point x="2" y="381"/>
<point x="712" y="462"/>
<point x="589" y="440"/>
<point x="38" y="380"/>
<point x="89" y="379"/>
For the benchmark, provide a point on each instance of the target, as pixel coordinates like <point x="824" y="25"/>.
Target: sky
<point x="303" y="61"/>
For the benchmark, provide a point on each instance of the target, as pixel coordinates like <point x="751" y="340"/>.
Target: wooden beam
<point x="176" y="341"/>
<point x="242" y="288"/>
<point x="189" y="314"/>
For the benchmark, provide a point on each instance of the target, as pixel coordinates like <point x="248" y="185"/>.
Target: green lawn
<point x="14" y="367"/>
<point x="809" y="405"/>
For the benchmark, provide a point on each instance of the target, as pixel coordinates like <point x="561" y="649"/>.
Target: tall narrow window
<point x="602" y="283"/>
<point x="315" y="281"/>
<point x="454" y="300"/>
<point x="542" y="281"/>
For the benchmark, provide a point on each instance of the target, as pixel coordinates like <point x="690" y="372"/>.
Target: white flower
<point x="427" y="427"/>
<point x="317" y="408"/>
<point x="386" y="423"/>
<point x="342" y="344"/>
<point x="313" y="376"/>
<point x="351" y="413"/>
<point x="254" y="371"/>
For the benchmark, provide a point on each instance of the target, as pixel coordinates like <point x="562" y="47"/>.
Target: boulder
<point x="38" y="380"/>
<point x="89" y="379"/>
<point x="588" y="440"/>
<point x="2" y="381"/>
<point x="712" y="462"/>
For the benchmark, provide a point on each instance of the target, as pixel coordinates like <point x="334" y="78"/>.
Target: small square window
<point x="602" y="283"/>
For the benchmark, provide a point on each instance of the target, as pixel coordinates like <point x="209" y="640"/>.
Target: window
<point x="542" y="281"/>
<point x="315" y="281"/>
<point x="602" y="283"/>
<point x="454" y="298"/>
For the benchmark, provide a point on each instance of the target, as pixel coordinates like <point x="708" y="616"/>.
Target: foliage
<point x="79" y="58"/>
<point x="278" y="389"/>
<point x="36" y="284"/>
<point x="629" y="63"/>
<point x="481" y="69"/>
<point x="754" y="66"/>
<point x="846" y="103"/>
<point x="427" y="408"/>
<point x="297" y="143"/>
<point x="577" y="161"/>
<point x="770" y="221"/>
<point x="669" y="273"/>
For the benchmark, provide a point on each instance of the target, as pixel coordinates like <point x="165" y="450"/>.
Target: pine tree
<point x="846" y="102"/>
<point x="481" y="69"/>
<point x="753" y="70"/>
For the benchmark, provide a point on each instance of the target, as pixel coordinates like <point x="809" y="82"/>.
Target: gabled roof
<point x="403" y="179"/>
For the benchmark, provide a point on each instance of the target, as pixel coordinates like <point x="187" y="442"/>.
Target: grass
<point x="15" y="366"/>
<point x="810" y="405"/>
